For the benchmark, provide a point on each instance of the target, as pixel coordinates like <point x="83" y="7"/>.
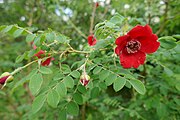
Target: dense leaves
<point x="60" y="30"/>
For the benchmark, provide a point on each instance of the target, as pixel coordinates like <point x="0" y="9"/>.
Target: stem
<point x="84" y="111"/>
<point x="149" y="15"/>
<point x="29" y="32"/>
<point x="79" y="31"/>
<point x="92" y="19"/>
<point x="20" y="68"/>
<point x="165" y="19"/>
<point x="77" y="51"/>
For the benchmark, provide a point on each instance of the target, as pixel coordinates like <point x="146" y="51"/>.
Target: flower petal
<point x="140" y="31"/>
<point x="39" y="54"/>
<point x="149" y="44"/>
<point x="117" y="50"/>
<point x="3" y="79"/>
<point x="132" y="60"/>
<point x="46" y="62"/>
<point x="122" y="40"/>
<point x="91" y="40"/>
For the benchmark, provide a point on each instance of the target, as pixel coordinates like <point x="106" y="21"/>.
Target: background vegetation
<point x="72" y="18"/>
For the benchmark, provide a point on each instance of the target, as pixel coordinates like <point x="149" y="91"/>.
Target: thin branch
<point x="92" y="19"/>
<point x="79" y="31"/>
<point x="165" y="19"/>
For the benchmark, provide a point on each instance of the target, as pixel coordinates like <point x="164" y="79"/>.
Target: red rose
<point x="133" y="47"/>
<point x="91" y="40"/>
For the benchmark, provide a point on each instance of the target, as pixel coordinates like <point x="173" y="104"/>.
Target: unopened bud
<point x="84" y="79"/>
<point x="10" y="79"/>
<point x="5" y="74"/>
<point x="5" y="77"/>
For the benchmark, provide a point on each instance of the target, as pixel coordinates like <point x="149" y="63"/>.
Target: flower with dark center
<point x="133" y="47"/>
<point x="91" y="40"/>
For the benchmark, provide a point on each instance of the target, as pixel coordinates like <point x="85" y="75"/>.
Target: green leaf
<point x="2" y="27"/>
<point x="168" y="42"/>
<point x="119" y="83"/>
<point x="63" y="115"/>
<point x="102" y="85"/>
<point x="72" y="108"/>
<point x="103" y="75"/>
<point x="117" y="19"/>
<point x="45" y="70"/>
<point x="37" y="40"/>
<point x="94" y="92"/>
<point x="8" y="28"/>
<point x="69" y="82"/>
<point x="30" y="37"/>
<point x="168" y="71"/>
<point x="18" y="32"/>
<point x="53" y="98"/>
<point x="61" y="89"/>
<point x="161" y="110"/>
<point x="82" y="89"/>
<point x="38" y="103"/>
<point x="128" y="85"/>
<point x="78" y="98"/>
<point x="50" y="36"/>
<point x="177" y="36"/>
<point x="62" y="39"/>
<point x="178" y="86"/>
<point x="110" y="79"/>
<point x="32" y="52"/>
<point x="35" y="83"/>
<point x="65" y="69"/>
<point x="75" y="74"/>
<point x="97" y="70"/>
<point x="20" y="58"/>
<point x="58" y="76"/>
<point x="24" y="79"/>
<point x="138" y="86"/>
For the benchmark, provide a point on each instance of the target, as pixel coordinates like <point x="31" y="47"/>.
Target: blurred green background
<point x="161" y="102"/>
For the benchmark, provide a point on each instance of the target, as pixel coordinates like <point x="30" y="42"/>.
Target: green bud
<point x="5" y="74"/>
<point x="10" y="78"/>
<point x="85" y="76"/>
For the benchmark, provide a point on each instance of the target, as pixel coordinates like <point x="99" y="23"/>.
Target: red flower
<point x="132" y="48"/>
<point x="91" y="40"/>
<point x="97" y="4"/>
<point x="40" y="54"/>
<point x="47" y="61"/>
<point x="3" y="79"/>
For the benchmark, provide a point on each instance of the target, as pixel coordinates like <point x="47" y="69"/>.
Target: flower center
<point x="133" y="46"/>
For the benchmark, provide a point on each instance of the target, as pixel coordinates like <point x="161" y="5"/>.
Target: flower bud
<point x="84" y="79"/>
<point x="10" y="79"/>
<point x="5" y="77"/>
<point x="97" y="4"/>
